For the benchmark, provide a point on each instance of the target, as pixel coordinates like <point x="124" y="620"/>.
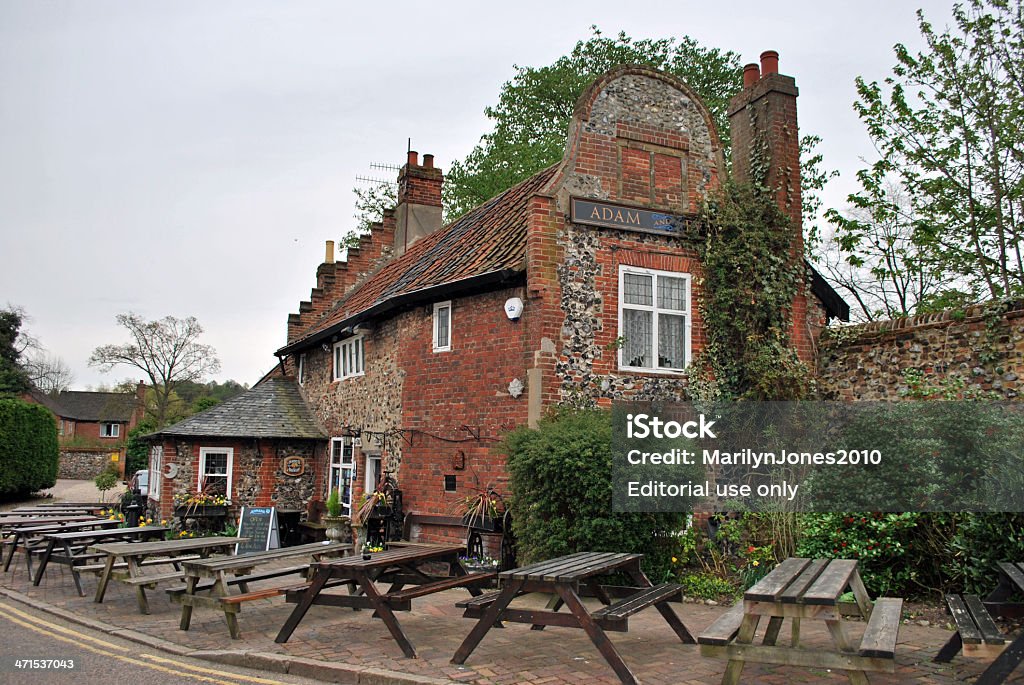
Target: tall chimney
<point x="329" y="252"/>
<point x="418" y="213"/>
<point x="765" y="139"/>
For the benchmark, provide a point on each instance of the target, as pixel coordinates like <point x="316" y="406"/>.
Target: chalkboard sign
<point x="259" y="524"/>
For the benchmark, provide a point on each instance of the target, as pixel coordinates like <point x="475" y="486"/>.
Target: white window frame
<point x="203" y="451"/>
<point x="110" y="429"/>
<point x="342" y="457"/>
<point x="369" y="482"/>
<point x="349" y="358"/>
<point x="156" y="465"/>
<point x="437" y="328"/>
<point x="302" y="368"/>
<point x="656" y="311"/>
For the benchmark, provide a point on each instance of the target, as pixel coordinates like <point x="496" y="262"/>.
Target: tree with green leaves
<point x="167" y="351"/>
<point x="947" y="128"/>
<point x="13" y="378"/>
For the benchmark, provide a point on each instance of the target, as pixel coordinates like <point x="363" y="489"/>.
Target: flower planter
<point x="486" y="523"/>
<point x="196" y="511"/>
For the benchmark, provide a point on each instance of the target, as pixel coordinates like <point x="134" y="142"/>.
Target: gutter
<point x="473" y="284"/>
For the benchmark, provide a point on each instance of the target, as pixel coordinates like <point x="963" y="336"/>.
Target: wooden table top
<point x="392" y="557"/>
<point x="241" y="561"/>
<point x="804" y="581"/>
<point x="110" y="533"/>
<point x="64" y="526"/>
<point x="573" y="567"/>
<point x="123" y="549"/>
<point x="22" y="522"/>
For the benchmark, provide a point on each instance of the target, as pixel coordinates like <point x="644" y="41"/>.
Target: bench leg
<point x="597" y="636"/>
<point x="674" y="622"/>
<point x="186" y="608"/>
<point x="839" y="638"/>
<point x="42" y="562"/>
<point x="490" y="617"/>
<point x="554" y="604"/>
<point x="101" y="587"/>
<point x="795" y="632"/>
<point x="950" y="649"/>
<point x="771" y="635"/>
<point x="1000" y="669"/>
<point x="744" y="636"/>
<point x="319" y="580"/>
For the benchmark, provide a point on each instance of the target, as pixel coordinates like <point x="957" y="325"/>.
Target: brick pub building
<point x="430" y="342"/>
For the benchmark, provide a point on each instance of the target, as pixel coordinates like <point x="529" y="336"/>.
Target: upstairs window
<point x="654" y="320"/>
<point x="442" y="326"/>
<point x="348" y="358"/>
<point x="302" y="369"/>
<point x="110" y="430"/>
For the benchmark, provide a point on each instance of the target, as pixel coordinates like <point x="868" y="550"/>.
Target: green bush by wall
<point x="28" y="448"/>
<point x="562" y="495"/>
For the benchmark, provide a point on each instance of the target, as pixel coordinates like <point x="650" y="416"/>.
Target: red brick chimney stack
<point x="419" y="201"/>
<point x="765" y="139"/>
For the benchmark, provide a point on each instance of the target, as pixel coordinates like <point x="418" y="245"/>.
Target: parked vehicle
<point x="140" y="482"/>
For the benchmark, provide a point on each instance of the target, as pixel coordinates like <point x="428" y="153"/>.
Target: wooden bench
<point x="639" y="601"/>
<point x="724" y="629"/>
<point x="976" y="632"/>
<point x="437" y="586"/>
<point x="882" y="632"/>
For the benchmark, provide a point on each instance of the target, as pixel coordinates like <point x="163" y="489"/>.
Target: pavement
<point x="341" y="645"/>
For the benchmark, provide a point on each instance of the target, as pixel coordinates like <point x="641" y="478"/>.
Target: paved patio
<point x="435" y="626"/>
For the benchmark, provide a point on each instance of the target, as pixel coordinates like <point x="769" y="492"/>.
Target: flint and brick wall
<point x="85" y="464"/>
<point x="868" y="362"/>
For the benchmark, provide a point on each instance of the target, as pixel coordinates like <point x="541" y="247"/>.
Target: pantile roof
<point x="272" y="409"/>
<point x="487" y="240"/>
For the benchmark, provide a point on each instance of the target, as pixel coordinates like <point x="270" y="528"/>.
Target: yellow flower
<point x="163" y="522"/>
<point x="756" y="562"/>
<point x="112" y="518"/>
<point x="674" y="560"/>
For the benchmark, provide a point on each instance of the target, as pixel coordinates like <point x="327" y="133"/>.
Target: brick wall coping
<point x="894" y="327"/>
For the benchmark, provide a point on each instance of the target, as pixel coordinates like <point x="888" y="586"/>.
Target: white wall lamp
<point x="513" y="308"/>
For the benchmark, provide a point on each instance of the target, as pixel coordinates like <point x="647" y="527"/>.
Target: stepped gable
<point x="488" y="239"/>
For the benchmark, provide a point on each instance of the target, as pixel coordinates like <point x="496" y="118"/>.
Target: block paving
<point x="515" y="654"/>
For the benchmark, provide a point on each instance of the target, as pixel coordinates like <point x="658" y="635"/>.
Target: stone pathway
<point x="514" y="655"/>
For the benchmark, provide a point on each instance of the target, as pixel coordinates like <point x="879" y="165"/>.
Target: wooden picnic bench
<point x="29" y="538"/>
<point x="219" y="574"/>
<point x="977" y="634"/>
<point x="803" y="589"/>
<point x="136" y="555"/>
<point x="9" y="524"/>
<point x="399" y="567"/>
<point x="562" y="578"/>
<point x="71" y="548"/>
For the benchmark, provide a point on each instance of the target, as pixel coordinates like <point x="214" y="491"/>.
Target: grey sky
<point x="191" y="158"/>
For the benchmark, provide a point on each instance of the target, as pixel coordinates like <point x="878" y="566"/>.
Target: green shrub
<point x="900" y="554"/>
<point x="28" y="448"/>
<point x="706" y="586"/>
<point x="107" y="479"/>
<point x="981" y="541"/>
<point x="137" y="449"/>
<point x="562" y="495"/>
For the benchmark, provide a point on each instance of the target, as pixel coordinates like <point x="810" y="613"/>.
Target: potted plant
<point x="202" y="504"/>
<point x="336" y="523"/>
<point x="483" y="511"/>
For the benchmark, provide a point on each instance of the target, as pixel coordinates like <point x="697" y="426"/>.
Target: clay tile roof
<point x="96" y="406"/>
<point x="488" y="239"/>
<point x="272" y="409"/>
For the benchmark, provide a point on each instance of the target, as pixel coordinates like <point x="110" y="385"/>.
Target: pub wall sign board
<point x="293" y="466"/>
<point x="607" y="215"/>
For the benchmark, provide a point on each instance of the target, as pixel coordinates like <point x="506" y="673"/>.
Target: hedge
<point x="28" y="448"/>
<point x="562" y="495"/>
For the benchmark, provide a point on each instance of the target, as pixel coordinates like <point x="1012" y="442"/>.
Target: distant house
<point x="91" y="426"/>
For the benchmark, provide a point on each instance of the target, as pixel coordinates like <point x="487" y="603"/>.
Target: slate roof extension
<point x="115" y="407"/>
<point x="487" y="241"/>
<point x="272" y="409"/>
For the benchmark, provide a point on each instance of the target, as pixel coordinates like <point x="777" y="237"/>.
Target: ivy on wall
<point x="751" y="276"/>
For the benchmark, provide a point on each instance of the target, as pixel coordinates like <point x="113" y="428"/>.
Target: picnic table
<point x="400" y="567"/>
<point x="24" y="535"/>
<point x="12" y="522"/>
<point x="220" y="573"/>
<point x="562" y="578"/>
<point x="134" y="556"/>
<point x="73" y="548"/>
<point x="806" y="589"/>
<point x="977" y="634"/>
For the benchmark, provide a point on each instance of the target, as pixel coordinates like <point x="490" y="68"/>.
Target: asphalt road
<point x="68" y="653"/>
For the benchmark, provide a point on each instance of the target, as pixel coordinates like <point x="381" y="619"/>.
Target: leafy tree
<point x="13" y="379"/>
<point x="947" y="127"/>
<point x="167" y="351"/>
<point x="137" y="449"/>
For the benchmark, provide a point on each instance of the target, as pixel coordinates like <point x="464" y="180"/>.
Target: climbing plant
<point x="751" y="276"/>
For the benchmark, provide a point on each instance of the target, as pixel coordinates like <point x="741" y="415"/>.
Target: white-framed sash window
<point x="654" y="320"/>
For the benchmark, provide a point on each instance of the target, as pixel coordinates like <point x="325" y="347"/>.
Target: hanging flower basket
<point x="196" y="511"/>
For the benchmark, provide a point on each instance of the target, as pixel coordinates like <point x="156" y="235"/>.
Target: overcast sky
<point x="191" y="157"/>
